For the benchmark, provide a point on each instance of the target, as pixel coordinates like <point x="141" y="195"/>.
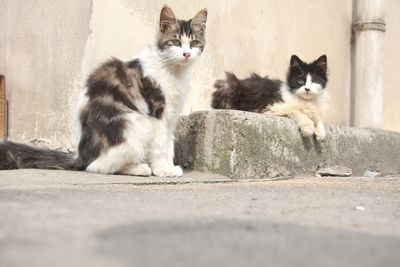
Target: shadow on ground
<point x="244" y="243"/>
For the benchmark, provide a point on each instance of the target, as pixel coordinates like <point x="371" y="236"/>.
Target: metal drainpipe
<point x="368" y="32"/>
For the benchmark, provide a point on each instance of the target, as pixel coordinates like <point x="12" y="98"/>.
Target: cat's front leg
<point x="305" y="124"/>
<point x="320" y="131"/>
<point x="160" y="156"/>
<point x="171" y="154"/>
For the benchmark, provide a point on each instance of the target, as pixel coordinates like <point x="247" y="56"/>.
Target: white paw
<point x="140" y="170"/>
<point x="307" y="129"/>
<point x="94" y="167"/>
<point x="168" y="171"/>
<point x="320" y="132"/>
<point x="320" y="135"/>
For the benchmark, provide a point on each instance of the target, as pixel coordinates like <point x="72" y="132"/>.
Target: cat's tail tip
<point x="20" y="156"/>
<point x="231" y="79"/>
<point x="228" y="84"/>
<point x="224" y="91"/>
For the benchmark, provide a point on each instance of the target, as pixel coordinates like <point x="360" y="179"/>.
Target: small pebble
<point x="371" y="174"/>
<point x="338" y="171"/>
<point x="360" y="208"/>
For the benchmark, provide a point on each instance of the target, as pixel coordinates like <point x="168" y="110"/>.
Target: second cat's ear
<point x="167" y="18"/>
<point x="322" y="64"/>
<point x="199" y="21"/>
<point x="295" y="61"/>
<point x="295" y="65"/>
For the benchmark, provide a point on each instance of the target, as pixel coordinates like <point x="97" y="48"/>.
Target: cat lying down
<point x="302" y="97"/>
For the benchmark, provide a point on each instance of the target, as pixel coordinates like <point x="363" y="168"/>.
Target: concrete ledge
<point x="245" y="145"/>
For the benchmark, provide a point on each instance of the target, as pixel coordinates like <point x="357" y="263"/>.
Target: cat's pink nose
<point x="186" y="55"/>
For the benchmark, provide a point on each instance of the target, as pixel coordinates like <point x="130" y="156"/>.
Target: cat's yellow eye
<point x="194" y="43"/>
<point x="176" y="42"/>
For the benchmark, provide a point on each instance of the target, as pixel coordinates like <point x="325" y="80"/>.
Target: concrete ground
<point x="59" y="218"/>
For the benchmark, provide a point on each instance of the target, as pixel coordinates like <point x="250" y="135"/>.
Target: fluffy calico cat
<point x="129" y="110"/>
<point x="302" y="97"/>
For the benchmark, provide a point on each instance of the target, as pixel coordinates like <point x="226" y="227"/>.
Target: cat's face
<point x="181" y="42"/>
<point x="307" y="81"/>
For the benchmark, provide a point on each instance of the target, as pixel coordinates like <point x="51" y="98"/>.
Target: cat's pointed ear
<point x="295" y="62"/>
<point x="321" y="65"/>
<point x="295" y="65"/>
<point x="167" y="18"/>
<point x="199" y="21"/>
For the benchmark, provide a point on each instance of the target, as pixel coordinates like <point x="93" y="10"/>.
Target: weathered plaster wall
<point x="242" y="38"/>
<point x="42" y="47"/>
<point x="391" y="108"/>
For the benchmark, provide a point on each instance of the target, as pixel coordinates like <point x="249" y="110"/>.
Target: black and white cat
<point x="129" y="110"/>
<point x="302" y="97"/>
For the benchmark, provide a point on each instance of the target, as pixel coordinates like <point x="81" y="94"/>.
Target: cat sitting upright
<point x="302" y="97"/>
<point x="129" y="110"/>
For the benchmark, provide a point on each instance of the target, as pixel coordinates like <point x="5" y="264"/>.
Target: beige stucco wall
<point x="392" y="63"/>
<point x="241" y="38"/>
<point x="48" y="47"/>
<point x="42" y="46"/>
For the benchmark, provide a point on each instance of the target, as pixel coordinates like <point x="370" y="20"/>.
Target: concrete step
<point x="244" y="145"/>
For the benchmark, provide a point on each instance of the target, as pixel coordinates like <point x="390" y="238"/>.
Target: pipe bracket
<point x="369" y="26"/>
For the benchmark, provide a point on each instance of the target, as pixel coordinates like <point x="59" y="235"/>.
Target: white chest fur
<point x="173" y="81"/>
<point x="318" y="105"/>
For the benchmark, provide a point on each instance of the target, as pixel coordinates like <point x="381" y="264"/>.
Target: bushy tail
<point x="19" y="156"/>
<point x="225" y="93"/>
